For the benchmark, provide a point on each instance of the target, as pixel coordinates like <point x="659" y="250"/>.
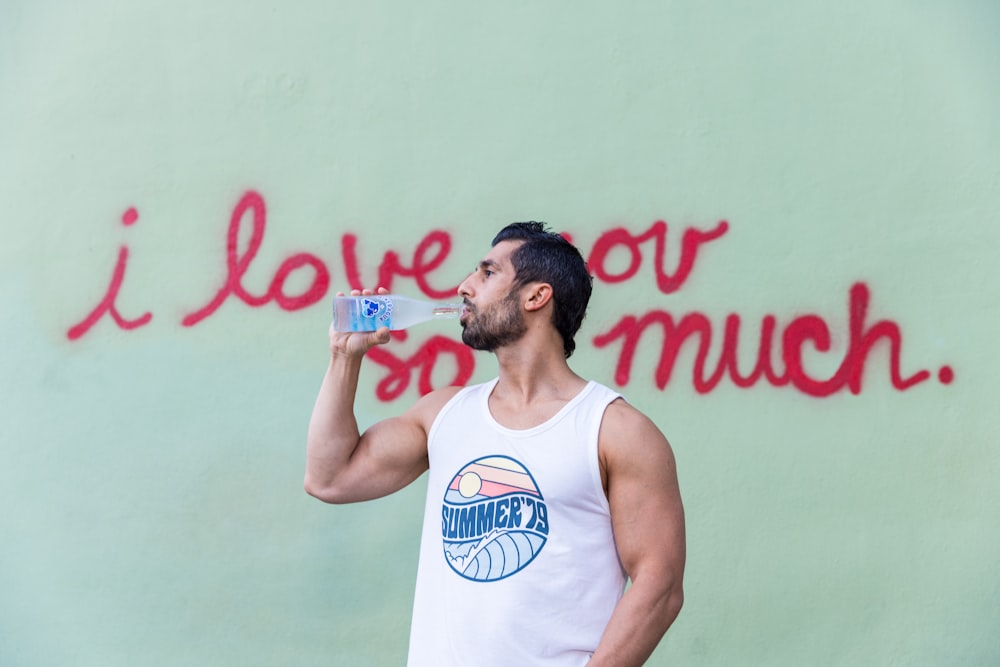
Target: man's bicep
<point x="393" y="452"/>
<point x="644" y="496"/>
<point x="386" y="458"/>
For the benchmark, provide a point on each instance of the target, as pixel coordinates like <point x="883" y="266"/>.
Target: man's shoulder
<point x="620" y="414"/>
<point x="437" y="399"/>
<point x="430" y="405"/>
<point x="625" y="426"/>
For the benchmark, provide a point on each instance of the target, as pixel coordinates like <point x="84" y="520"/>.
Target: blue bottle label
<point x="374" y="312"/>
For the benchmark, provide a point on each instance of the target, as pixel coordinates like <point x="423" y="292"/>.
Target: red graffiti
<point x="430" y="253"/>
<point x="425" y="361"/>
<point x="237" y="265"/>
<point x="437" y="241"/>
<point x="619" y="237"/>
<point x="107" y="304"/>
<point x="798" y="340"/>
<point x="803" y="330"/>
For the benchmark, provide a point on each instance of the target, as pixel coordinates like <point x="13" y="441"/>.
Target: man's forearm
<point x="637" y="625"/>
<point x="333" y="429"/>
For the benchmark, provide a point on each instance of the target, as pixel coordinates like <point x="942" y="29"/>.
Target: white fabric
<point x="517" y="559"/>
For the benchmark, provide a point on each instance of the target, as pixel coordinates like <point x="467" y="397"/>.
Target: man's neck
<point x="531" y="373"/>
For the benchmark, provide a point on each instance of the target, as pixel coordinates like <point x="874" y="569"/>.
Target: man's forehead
<point x="499" y="255"/>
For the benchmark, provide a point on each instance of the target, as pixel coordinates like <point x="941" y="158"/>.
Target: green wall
<point x="239" y="163"/>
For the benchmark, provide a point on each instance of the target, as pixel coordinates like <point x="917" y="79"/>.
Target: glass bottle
<point x="368" y="313"/>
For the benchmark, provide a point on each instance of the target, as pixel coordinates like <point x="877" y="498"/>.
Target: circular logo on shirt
<point x="494" y="520"/>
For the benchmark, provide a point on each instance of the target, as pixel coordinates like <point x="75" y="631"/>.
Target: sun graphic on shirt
<point x="494" y="520"/>
<point x="470" y="484"/>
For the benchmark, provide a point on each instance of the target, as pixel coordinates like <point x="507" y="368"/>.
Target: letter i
<point x="107" y="304"/>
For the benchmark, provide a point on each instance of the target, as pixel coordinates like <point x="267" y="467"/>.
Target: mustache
<point x="468" y="305"/>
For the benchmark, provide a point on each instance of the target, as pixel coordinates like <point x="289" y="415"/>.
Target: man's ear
<point x="537" y="296"/>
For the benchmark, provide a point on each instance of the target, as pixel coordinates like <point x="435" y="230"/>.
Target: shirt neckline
<point x="534" y="430"/>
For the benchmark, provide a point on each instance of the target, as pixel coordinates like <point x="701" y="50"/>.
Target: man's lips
<point x="467" y="309"/>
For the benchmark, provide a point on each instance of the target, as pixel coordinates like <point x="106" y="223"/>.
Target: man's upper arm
<point x="646" y="509"/>
<point x="391" y="453"/>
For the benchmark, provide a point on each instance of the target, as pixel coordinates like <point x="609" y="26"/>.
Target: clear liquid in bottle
<point x="369" y="313"/>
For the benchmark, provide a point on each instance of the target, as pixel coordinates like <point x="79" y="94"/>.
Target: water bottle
<point x="368" y="313"/>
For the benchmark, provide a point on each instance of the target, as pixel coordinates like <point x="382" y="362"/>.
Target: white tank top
<point x="517" y="558"/>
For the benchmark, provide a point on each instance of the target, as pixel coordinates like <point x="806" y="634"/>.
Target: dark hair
<point x="549" y="258"/>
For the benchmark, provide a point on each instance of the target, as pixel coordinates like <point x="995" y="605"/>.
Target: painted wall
<point x="790" y="210"/>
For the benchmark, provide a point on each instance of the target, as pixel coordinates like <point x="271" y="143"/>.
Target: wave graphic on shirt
<point x="494" y="520"/>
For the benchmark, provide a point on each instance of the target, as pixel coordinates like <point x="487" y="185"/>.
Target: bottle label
<point x="375" y="312"/>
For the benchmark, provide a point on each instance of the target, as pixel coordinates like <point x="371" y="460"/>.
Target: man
<point x="545" y="491"/>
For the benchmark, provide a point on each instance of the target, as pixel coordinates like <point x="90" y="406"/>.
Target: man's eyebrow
<point x="489" y="264"/>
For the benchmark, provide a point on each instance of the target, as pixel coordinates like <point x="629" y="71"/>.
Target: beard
<point x="496" y="326"/>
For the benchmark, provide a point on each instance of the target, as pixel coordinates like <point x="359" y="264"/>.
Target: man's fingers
<point x="381" y="336"/>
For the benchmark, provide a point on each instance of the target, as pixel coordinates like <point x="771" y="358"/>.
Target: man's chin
<point x="474" y="343"/>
